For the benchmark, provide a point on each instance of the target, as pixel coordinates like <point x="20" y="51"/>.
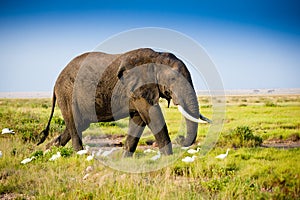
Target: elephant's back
<point x="78" y="81"/>
<point x="91" y="63"/>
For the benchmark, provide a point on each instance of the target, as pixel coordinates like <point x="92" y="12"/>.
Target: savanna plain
<point x="262" y="132"/>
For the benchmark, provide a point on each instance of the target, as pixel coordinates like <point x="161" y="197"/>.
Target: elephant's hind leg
<point x="61" y="140"/>
<point x="72" y="131"/>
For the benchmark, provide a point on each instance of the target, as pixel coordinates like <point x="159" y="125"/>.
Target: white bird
<point x="157" y="156"/>
<point x="47" y="151"/>
<point x="189" y="159"/>
<point x="222" y="156"/>
<point x="55" y="156"/>
<point x="7" y="131"/>
<point x="27" y="160"/>
<point x="149" y="151"/>
<point x="0" y="154"/>
<point x="185" y="148"/>
<point x="86" y="176"/>
<point x="89" y="169"/>
<point x="106" y="153"/>
<point x="90" y="157"/>
<point x="193" y="151"/>
<point x="84" y="151"/>
<point x="99" y="153"/>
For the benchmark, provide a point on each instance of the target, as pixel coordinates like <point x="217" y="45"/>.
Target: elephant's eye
<point x="167" y="94"/>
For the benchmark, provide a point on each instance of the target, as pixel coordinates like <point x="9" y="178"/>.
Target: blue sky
<point x="254" y="44"/>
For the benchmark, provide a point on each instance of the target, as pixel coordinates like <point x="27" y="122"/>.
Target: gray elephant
<point x="99" y="87"/>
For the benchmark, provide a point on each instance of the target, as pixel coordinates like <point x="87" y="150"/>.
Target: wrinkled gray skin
<point x="99" y="87"/>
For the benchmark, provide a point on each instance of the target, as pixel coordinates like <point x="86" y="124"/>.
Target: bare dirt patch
<point x="107" y="141"/>
<point x="104" y="140"/>
<point x="292" y="142"/>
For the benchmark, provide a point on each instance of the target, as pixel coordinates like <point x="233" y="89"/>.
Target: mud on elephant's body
<point x="96" y="87"/>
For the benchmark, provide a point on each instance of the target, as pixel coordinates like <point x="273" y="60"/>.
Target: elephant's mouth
<point x="201" y="119"/>
<point x="169" y="95"/>
<point x="175" y="100"/>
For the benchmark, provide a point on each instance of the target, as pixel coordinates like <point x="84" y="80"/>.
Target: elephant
<point x="99" y="87"/>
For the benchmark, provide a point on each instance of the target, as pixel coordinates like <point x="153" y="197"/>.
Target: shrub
<point x="38" y="153"/>
<point x="295" y="137"/>
<point x="64" y="151"/>
<point x="241" y="136"/>
<point x="58" y="120"/>
<point x="107" y="124"/>
<point x="45" y="106"/>
<point x="270" y="104"/>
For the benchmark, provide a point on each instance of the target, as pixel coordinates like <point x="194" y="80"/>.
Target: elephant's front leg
<point x="136" y="128"/>
<point x="159" y="128"/>
<point x="152" y="115"/>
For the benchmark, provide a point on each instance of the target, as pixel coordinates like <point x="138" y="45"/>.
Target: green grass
<point x="249" y="171"/>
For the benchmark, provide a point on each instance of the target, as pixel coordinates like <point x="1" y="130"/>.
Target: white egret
<point x="47" y="151"/>
<point x="99" y="152"/>
<point x="189" y="159"/>
<point x="157" y="156"/>
<point x="222" y="156"/>
<point x="185" y="148"/>
<point x="55" y="156"/>
<point x="193" y="151"/>
<point x="149" y="151"/>
<point x="1" y="154"/>
<point x="89" y="169"/>
<point x="84" y="151"/>
<point x="27" y="160"/>
<point x="90" y="157"/>
<point x="106" y="153"/>
<point x="86" y="176"/>
<point x="7" y="131"/>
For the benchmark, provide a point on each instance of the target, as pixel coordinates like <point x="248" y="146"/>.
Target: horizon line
<point x="254" y="91"/>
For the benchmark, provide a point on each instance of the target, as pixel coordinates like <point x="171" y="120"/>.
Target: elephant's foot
<point x="163" y="141"/>
<point x="127" y="154"/>
<point x="77" y="143"/>
<point x="180" y="140"/>
<point x="167" y="149"/>
<point x="130" y="146"/>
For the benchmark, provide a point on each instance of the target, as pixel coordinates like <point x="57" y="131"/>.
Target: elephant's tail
<point x="43" y="135"/>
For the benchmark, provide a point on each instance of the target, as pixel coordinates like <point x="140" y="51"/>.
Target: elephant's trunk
<point x="176" y="83"/>
<point x="189" y="105"/>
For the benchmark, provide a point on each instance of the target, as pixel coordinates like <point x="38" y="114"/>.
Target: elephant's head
<point x="151" y="75"/>
<point x="175" y="83"/>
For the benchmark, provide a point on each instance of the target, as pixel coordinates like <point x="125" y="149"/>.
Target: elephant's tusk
<point x="205" y="119"/>
<point x="189" y="117"/>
